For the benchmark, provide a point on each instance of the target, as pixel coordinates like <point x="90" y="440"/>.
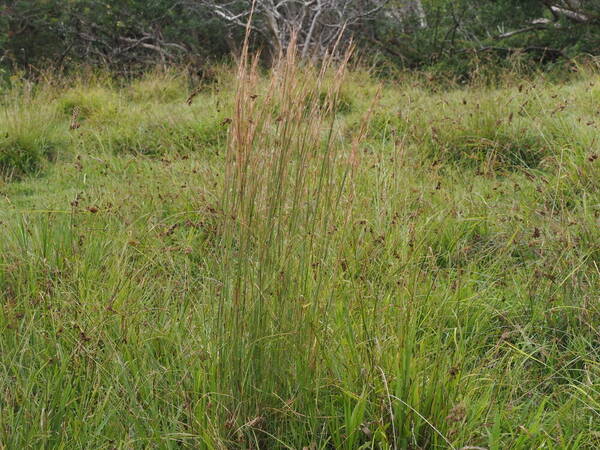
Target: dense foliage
<point x="129" y="34"/>
<point x="114" y="33"/>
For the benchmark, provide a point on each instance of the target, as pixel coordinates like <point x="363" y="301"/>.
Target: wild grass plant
<point x="302" y="258"/>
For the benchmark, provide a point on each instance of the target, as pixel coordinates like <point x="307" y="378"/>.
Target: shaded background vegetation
<point x="447" y="35"/>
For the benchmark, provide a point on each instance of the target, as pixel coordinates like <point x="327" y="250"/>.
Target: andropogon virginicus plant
<point x="286" y="172"/>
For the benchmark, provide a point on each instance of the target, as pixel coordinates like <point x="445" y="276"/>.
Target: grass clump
<point x="28" y="138"/>
<point x="490" y="145"/>
<point x="159" y="87"/>
<point x="283" y="173"/>
<point x="96" y="103"/>
<point x="161" y="133"/>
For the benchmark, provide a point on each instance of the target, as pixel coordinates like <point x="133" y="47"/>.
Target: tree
<point x="128" y="35"/>
<point x="577" y="11"/>
<point x="317" y="24"/>
<point x="120" y="34"/>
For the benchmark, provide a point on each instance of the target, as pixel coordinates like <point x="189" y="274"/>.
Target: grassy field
<point x="299" y="259"/>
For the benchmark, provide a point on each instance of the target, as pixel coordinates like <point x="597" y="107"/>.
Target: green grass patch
<point x="259" y="267"/>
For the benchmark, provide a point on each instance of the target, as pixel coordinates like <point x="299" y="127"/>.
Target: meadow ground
<point x="299" y="260"/>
